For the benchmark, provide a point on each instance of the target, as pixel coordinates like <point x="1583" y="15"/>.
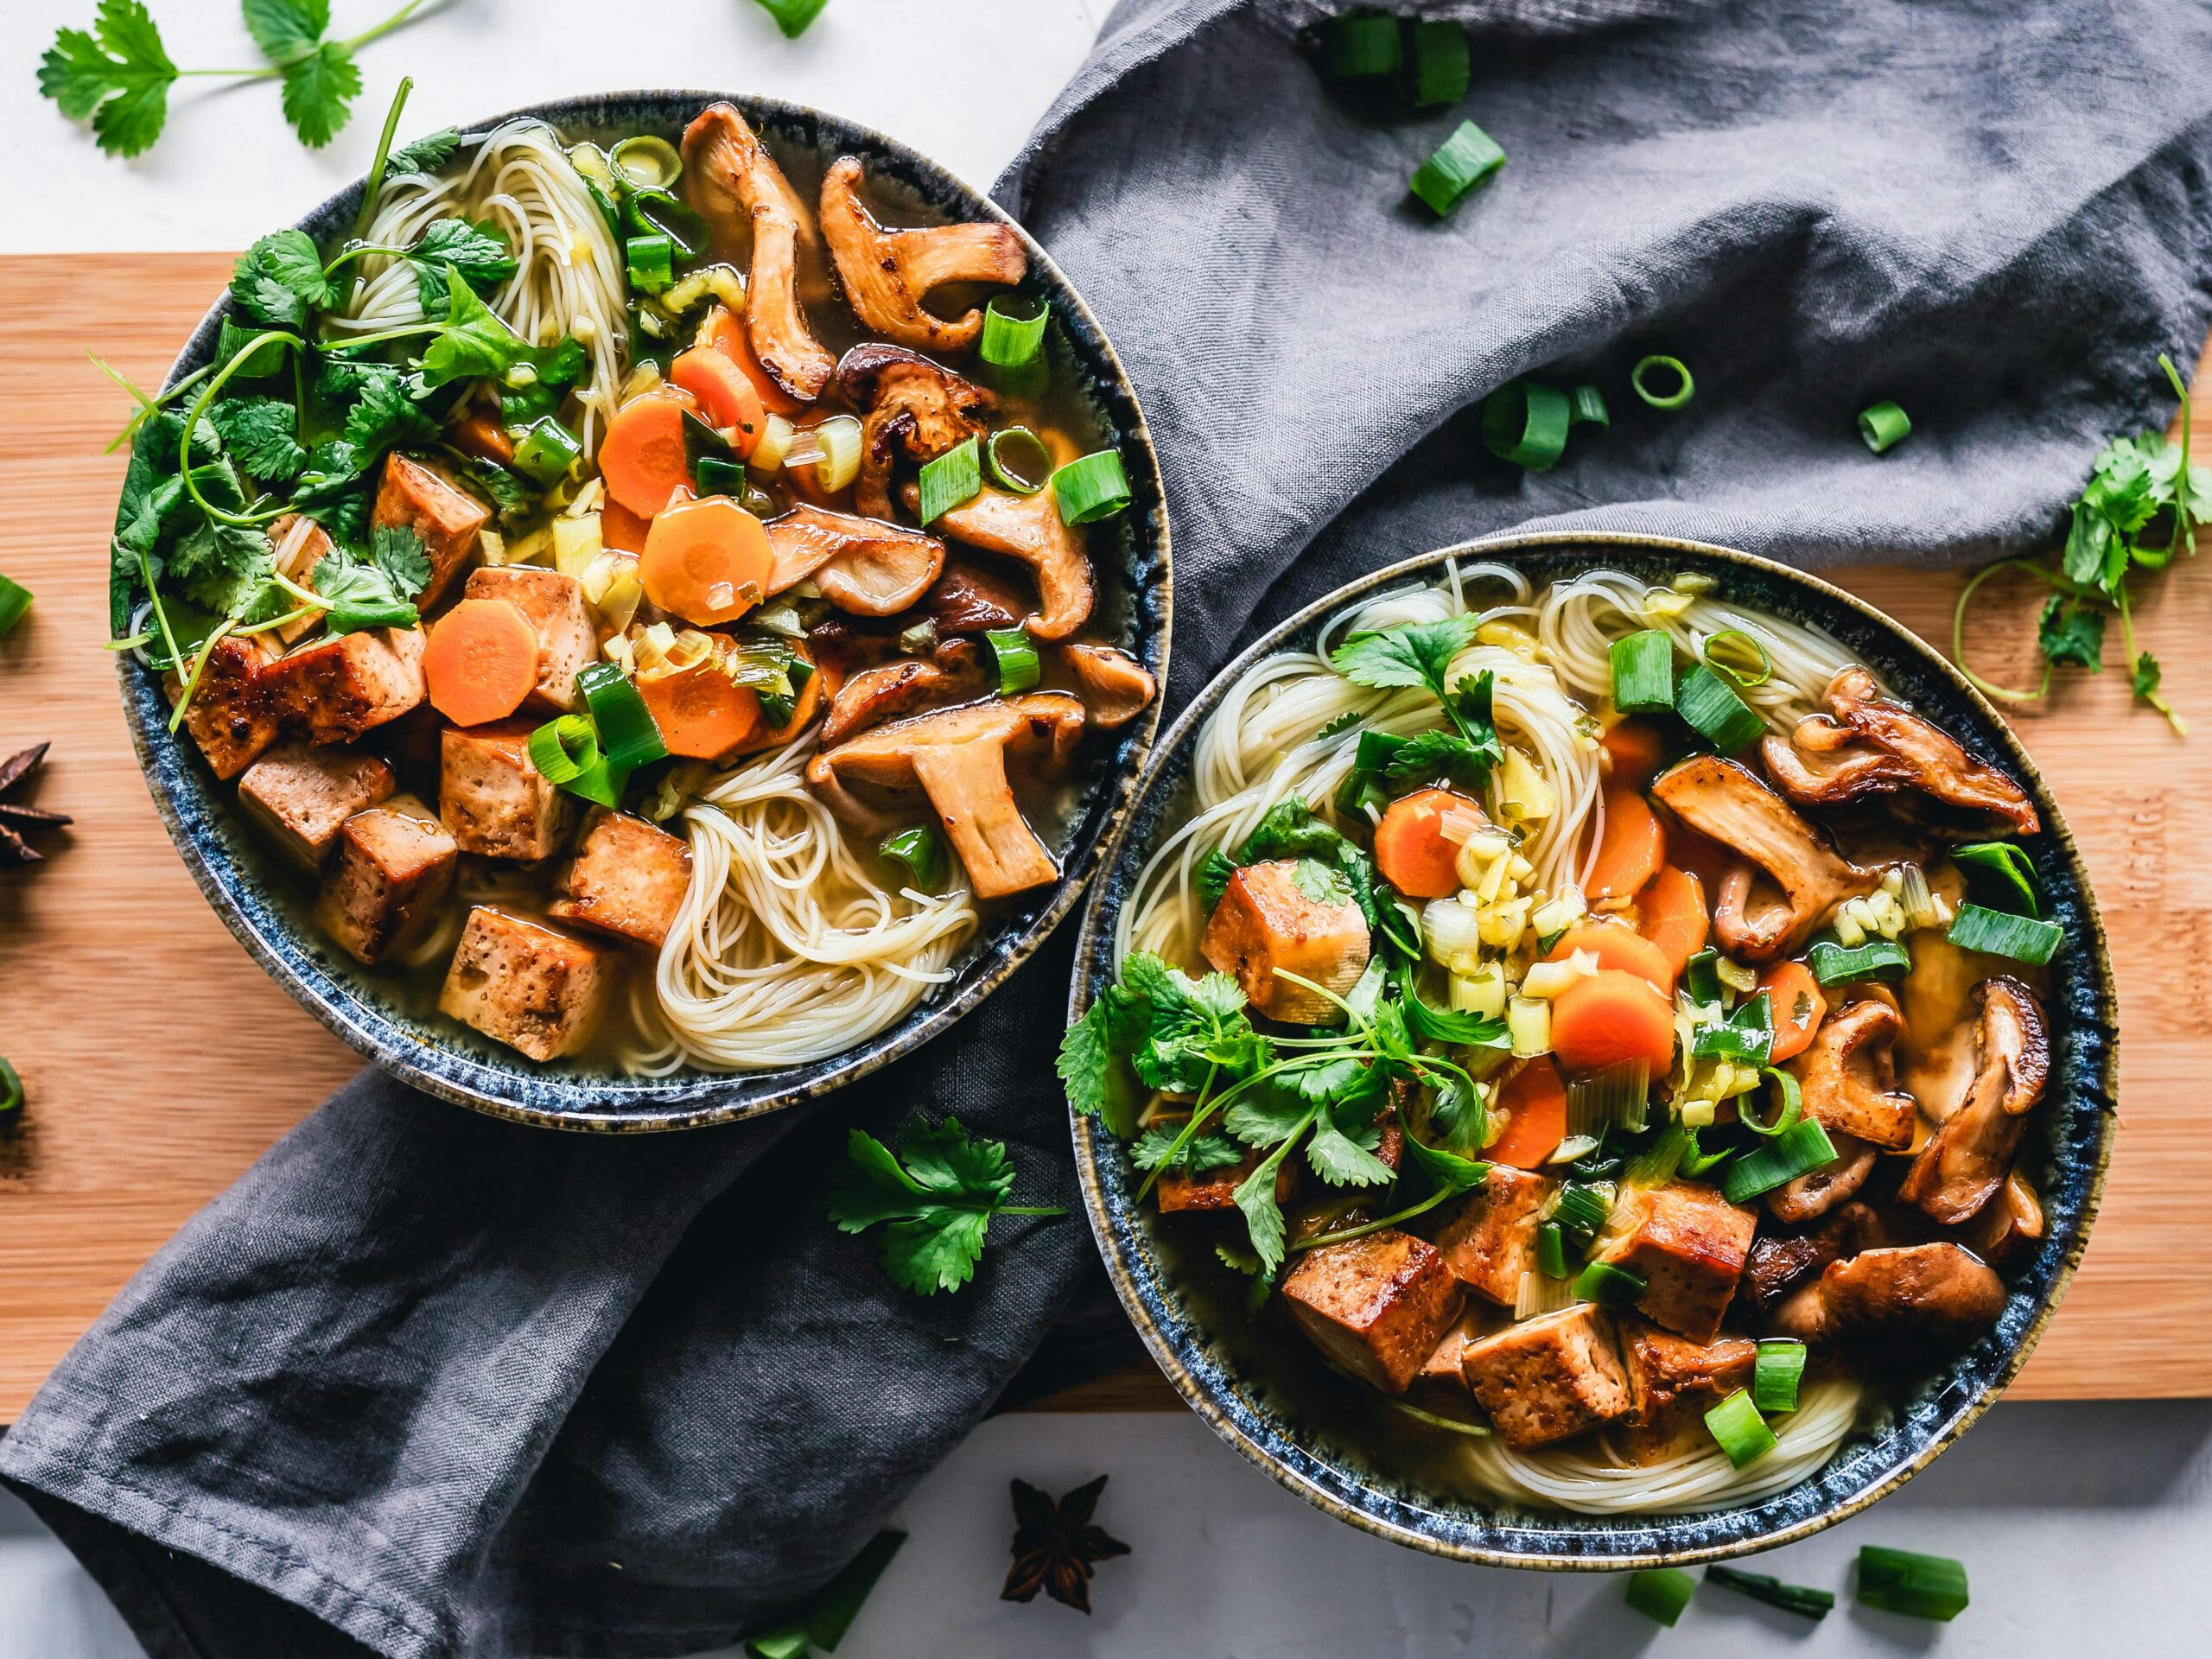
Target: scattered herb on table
<point x="15" y="817"/>
<point x="1056" y="1546"/>
<point x="938" y="1194"/>
<point x="829" y="1611"/>
<point x="15" y="600"/>
<point x="11" y="1088"/>
<point x="1802" y="1599"/>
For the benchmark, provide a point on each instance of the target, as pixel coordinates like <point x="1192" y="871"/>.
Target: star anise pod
<point x="1054" y="1545"/>
<point x="14" y="818"/>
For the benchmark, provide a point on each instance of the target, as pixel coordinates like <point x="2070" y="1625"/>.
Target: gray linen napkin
<point x="427" y="1384"/>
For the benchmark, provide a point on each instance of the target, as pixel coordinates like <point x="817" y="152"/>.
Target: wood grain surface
<point x="160" y="1061"/>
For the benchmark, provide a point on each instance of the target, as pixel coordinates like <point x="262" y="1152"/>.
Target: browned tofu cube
<point x="303" y="796"/>
<point x="1377" y="1305"/>
<point x="1215" y="1189"/>
<point x="1443" y="1365"/>
<point x="446" y="517"/>
<point x="529" y="986"/>
<point x="395" y="865"/>
<point x="231" y="715"/>
<point x="1490" y="1239"/>
<point x="1669" y="1376"/>
<point x="554" y="605"/>
<point x="494" y="798"/>
<point x="1690" y="1246"/>
<point x="1546" y="1378"/>
<point x="1269" y="921"/>
<point x="333" y="689"/>
<point x="628" y="879"/>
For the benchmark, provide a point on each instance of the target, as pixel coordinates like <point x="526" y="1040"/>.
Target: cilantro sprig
<point x="1418" y="655"/>
<point x="935" y="1199"/>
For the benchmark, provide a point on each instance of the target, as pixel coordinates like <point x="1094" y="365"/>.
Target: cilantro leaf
<point x="1319" y="883"/>
<point x="1216" y="870"/>
<point x="258" y="434"/>
<point x="938" y="1203"/>
<point x="555" y="369"/>
<point x="1446" y="1169"/>
<point x="425" y="155"/>
<point x="1269" y="1114"/>
<point x="1339" y="1159"/>
<point x="1432" y="756"/>
<point x="387" y="417"/>
<point x="1255" y="1196"/>
<point x="1203" y="1151"/>
<point x="1086" y="1061"/>
<point x="280" y="279"/>
<point x="285" y="29"/>
<point x="478" y="251"/>
<point x="472" y="342"/>
<point x="509" y="495"/>
<point x="2071" y="632"/>
<point x="360" y="596"/>
<point x="118" y="74"/>
<point x="319" y="92"/>
<point x="397" y="549"/>
<point x="2147" y="675"/>
<point x="1417" y="654"/>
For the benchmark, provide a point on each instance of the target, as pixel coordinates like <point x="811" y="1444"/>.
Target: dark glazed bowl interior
<point x="244" y="881"/>
<point x="1267" y="1412"/>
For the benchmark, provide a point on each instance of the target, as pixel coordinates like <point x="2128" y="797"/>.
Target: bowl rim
<point x="1115" y="1248"/>
<point x="688" y="1100"/>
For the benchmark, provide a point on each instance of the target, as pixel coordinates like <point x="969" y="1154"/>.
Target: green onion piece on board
<point x="1740" y="656"/>
<point x="1800" y="1149"/>
<point x="1710" y="705"/>
<point x="716" y="476"/>
<point x="1643" y="675"/>
<point x="1589" y="407"/>
<point x="1919" y="1587"/>
<point x="628" y="735"/>
<point x="1701" y="976"/>
<point x="1363" y="44"/>
<point x="1014" y="330"/>
<point x="646" y="162"/>
<point x="920" y="852"/>
<point x="1835" y="964"/>
<point x="1685" y="387"/>
<point x="1439" y="64"/>
<point x="650" y="262"/>
<point x="954" y="477"/>
<point x="793" y="17"/>
<point x="1608" y="1285"/>
<point x="2021" y="938"/>
<point x="2001" y="858"/>
<point x="1799" y="1599"/>
<point x="15" y="600"/>
<point x="1015" y="653"/>
<point x="547" y="449"/>
<point x="564" y="748"/>
<point x="11" y="1087"/>
<point x="1463" y="161"/>
<point x="1526" y="423"/>
<point x="1091" y="487"/>
<point x="1661" y="1593"/>
<point x="1019" y="461"/>
<point x="1780" y="1363"/>
<point x="1883" y="425"/>
<point x="1735" y="1423"/>
<point x="1551" y="1251"/>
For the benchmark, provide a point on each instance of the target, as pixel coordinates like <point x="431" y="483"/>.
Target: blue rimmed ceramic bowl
<point x="267" y="912"/>
<point x="1261" y="1391"/>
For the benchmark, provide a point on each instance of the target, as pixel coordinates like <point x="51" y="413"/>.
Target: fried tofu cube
<point x="1689" y="1246"/>
<point x="231" y="715"/>
<point x="449" y="519"/>
<point x="1546" y="1378"/>
<point x="1669" y="1376"/>
<point x="529" y="986"/>
<point x="1443" y="1365"/>
<point x="1377" y="1305"/>
<point x="1490" y="1240"/>
<point x="303" y="796"/>
<point x="492" y="797"/>
<point x="1177" y="1191"/>
<point x="1280" y="915"/>
<point x="628" y="879"/>
<point x="335" y="688"/>
<point x="554" y="605"/>
<point x="394" y="865"/>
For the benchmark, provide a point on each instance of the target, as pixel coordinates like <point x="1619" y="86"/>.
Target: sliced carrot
<point x="478" y="433"/>
<point x="1637" y="747"/>
<point x="643" y="458"/>
<point x="1616" y="946"/>
<point x="727" y="398"/>
<point x="1613" y="1016"/>
<point x="1533" y="1103"/>
<point x="479" y="661"/>
<point x="725" y="331"/>
<point x="1632" y="848"/>
<point x="621" y="529"/>
<point x="701" y="713"/>
<point x="1410" y="848"/>
<point x="705" y="561"/>
<point x="1673" y="915"/>
<point x="1798" y="1007"/>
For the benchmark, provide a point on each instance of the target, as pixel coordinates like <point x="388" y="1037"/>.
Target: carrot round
<point x="725" y="332"/>
<point x="1616" y="946"/>
<point x="1637" y="747"/>
<point x="479" y="661"/>
<point x="1794" y="995"/>
<point x="727" y="398"/>
<point x="643" y="458"/>
<point x="621" y="529"/>
<point x="1534" y="1103"/>
<point x="705" y="561"/>
<point x="1611" y="1016"/>
<point x="1673" y="916"/>
<point x="1632" y="848"/>
<point x="701" y="713"/>
<point x="1410" y="848"/>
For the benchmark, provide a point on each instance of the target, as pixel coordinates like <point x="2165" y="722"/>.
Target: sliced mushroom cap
<point x="1725" y="803"/>
<point x="889" y="689"/>
<point x="1778" y="1263"/>
<point x="1115" y="686"/>
<point x="888" y="274"/>
<point x="861" y="565"/>
<point x="1029" y="528"/>
<point x="1931" y="1296"/>
<point x="913" y="407"/>
<point x="2009" y="1223"/>
<point x="736" y="186"/>
<point x="1821" y="764"/>
<point x="1815" y="1195"/>
<point x="1848" y="1076"/>
<point x="1965" y="1161"/>
<point x="959" y="758"/>
<point x="969" y="601"/>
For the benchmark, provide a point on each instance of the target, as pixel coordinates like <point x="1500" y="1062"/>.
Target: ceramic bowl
<point x="1267" y="1396"/>
<point x="268" y="910"/>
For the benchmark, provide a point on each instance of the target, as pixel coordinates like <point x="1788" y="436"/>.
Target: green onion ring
<point x="1026" y="466"/>
<point x="1526" y="423"/>
<point x="647" y="163"/>
<point x="1883" y="425"/>
<point x="564" y="748"/>
<point x="1793" y="1106"/>
<point x="1016" y="655"/>
<point x="1680" y="395"/>
<point x="1742" y="678"/>
<point x="1014" y="330"/>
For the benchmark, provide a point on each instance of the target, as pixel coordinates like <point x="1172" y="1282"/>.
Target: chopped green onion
<point x="1919" y="1587"/>
<point x="1752" y="650"/>
<point x="1792" y="1105"/>
<point x="646" y="162"/>
<point x="1800" y="1149"/>
<point x="1835" y="964"/>
<point x="1463" y="161"/>
<point x="1440" y="74"/>
<point x="1589" y="407"/>
<point x="1582" y="1210"/>
<point x="1091" y="487"/>
<point x="1525" y="421"/>
<point x="716" y="476"/>
<point x="1608" y="1285"/>
<point x="1655" y="1165"/>
<point x="11" y="1087"/>
<point x="1685" y="387"/>
<point x="1774" y="1374"/>
<point x="1615" y="1096"/>
<point x="1661" y="1593"/>
<point x="1644" y="673"/>
<point x="564" y="748"/>
<point x="547" y="449"/>
<point x="2010" y="864"/>
<point x="1701" y="976"/>
<point x="1747" y="1034"/>
<point x="1019" y="461"/>
<point x="793" y="17"/>
<point x="1735" y="1423"/>
<point x="650" y="262"/>
<point x="1799" y="1598"/>
<point x="1695" y="1163"/>
<point x="1016" y="655"/>
<point x="1551" y="1250"/>
<point x="1710" y="705"/>
<point x="15" y="600"/>
<point x="1363" y="44"/>
<point x="1883" y="425"/>
<point x="954" y="477"/>
<point x="2021" y="938"/>
<point x="628" y="734"/>
<point x="1014" y="330"/>
<point x="920" y="852"/>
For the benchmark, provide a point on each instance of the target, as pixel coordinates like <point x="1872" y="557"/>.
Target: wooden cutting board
<point x="160" y="1062"/>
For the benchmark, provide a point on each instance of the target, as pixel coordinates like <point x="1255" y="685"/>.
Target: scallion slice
<point x="716" y="476"/>
<point x="955" y="477"/>
<point x="1919" y="1587"/>
<point x="547" y="449"/>
<point x="1800" y="1149"/>
<point x="1616" y="1096"/>
<point x="1608" y="1285"/>
<point x="1551" y="1250"/>
<point x="1589" y="407"/>
<point x="1836" y="964"/>
<point x="1701" y="976"/>
<point x="1644" y="673"/>
<point x="1735" y="1423"/>
<point x="1661" y="1593"/>
<point x="1710" y="705"/>
<point x="1793" y="1106"/>
<point x="1019" y="461"/>
<point x="1774" y="1374"/>
<point x="647" y="163"/>
<point x="1014" y="330"/>
<point x="15" y="600"/>
<point x="1655" y="1165"/>
<point x="1439" y="67"/>
<point x="1883" y="425"/>
<point x="920" y="852"/>
<point x="1750" y="666"/>
<point x="650" y="263"/>
<point x="1463" y="161"/>
<point x="2010" y="865"/>
<point x="564" y="748"/>
<point x="1696" y="1163"/>
<point x="628" y="735"/>
<point x="1526" y="423"/>
<point x="1746" y="1034"/>
<point x="1365" y="43"/>
<point x="1582" y="1210"/>
<point x="11" y="1087"/>
<point x="2021" y="938"/>
<point x="1685" y="387"/>
<point x="1091" y="487"/>
<point x="1800" y="1598"/>
<point x="1016" y="655"/>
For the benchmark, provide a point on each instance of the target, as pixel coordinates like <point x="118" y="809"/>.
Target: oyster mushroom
<point x="1029" y="528"/>
<point x="957" y="757"/>
<point x="1724" y="802"/>
<point x="2008" y="1222"/>
<point x="889" y="689"/>
<point x="912" y="407"/>
<point x="888" y="274"/>
<point x="1115" y="686"/>
<point x="1970" y="1154"/>
<point x="735" y="185"/>
<point x="1848" y="1075"/>
<point x="1925" y="1296"/>
<point x="861" y="565"/>
<point x="1812" y="1195"/>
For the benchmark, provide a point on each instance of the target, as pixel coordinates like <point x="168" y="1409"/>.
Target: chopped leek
<point x="1746" y="1034"/>
<point x="1014" y="330"/>
<point x="1661" y="1594"/>
<point x="650" y="262"/>
<point x="1091" y="487"/>
<point x="1582" y="1210"/>
<point x="1919" y="1587"/>
<point x="955" y="477"/>
<point x="919" y="851"/>
<point x="1019" y="461"/>
<point x="1701" y="977"/>
<point x="1463" y="161"/>
<point x="1613" y="1097"/>
<point x="1526" y="423"/>
<point x="1798" y="1150"/>
<point x="1799" y="1598"/>
<point x="1835" y="964"/>
<point x="1610" y="1286"/>
<point x="793" y="17"/>
<point x="564" y="748"/>
<point x="1439" y="65"/>
<point x="2021" y="938"/>
<point x="1360" y="46"/>
<point x="628" y="734"/>
<point x="1529" y="1021"/>
<point x="716" y="476"/>
<point x="1710" y="705"/>
<point x="1883" y="425"/>
<point x="1735" y="1423"/>
<point x="1793" y="1106"/>
<point x="646" y="162"/>
<point x="1015" y="652"/>
<point x="1750" y="666"/>
<point x="1654" y="1167"/>
<point x="11" y="1087"/>
<point x="840" y="440"/>
<point x="1589" y="407"/>
<point x="1685" y="387"/>
<point x="1551" y="1250"/>
<point x="2010" y="865"/>
<point x="547" y="451"/>
<point x="1644" y="673"/>
<point x="1775" y="1374"/>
